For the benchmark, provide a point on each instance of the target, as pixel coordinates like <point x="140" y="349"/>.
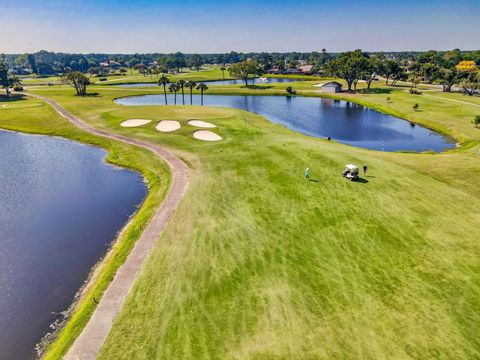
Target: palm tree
<point x="164" y="80"/>
<point x="181" y="84"/>
<point x="174" y="88"/>
<point x="222" y="69"/>
<point x="202" y="87"/>
<point x="191" y="85"/>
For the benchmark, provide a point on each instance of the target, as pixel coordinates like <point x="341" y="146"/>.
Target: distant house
<point x="274" y="70"/>
<point x="332" y="87"/>
<point x="306" y="69"/>
<point x="110" y="64"/>
<point x="293" y="71"/>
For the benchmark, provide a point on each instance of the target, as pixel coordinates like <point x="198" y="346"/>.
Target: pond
<point x="342" y="121"/>
<point x="61" y="207"/>
<point x="221" y="82"/>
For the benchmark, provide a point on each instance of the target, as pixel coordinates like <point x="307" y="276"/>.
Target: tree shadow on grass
<point x="12" y="98"/>
<point x="381" y="91"/>
<point x="89" y="95"/>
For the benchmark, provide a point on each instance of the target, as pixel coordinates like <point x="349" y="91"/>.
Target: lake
<point x="61" y="207"/>
<point x="221" y="82"/>
<point x="343" y="121"/>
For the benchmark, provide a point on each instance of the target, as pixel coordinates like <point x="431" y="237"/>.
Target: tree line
<point x="446" y="69"/>
<point x="50" y="63"/>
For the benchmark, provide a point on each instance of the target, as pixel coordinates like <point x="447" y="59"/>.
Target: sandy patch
<point x="206" y="135"/>
<point x="200" y="123"/>
<point x="319" y="85"/>
<point x="168" y="125"/>
<point x="134" y="122"/>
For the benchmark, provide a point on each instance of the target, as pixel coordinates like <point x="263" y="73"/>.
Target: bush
<point x="102" y="79"/>
<point x="415" y="92"/>
<point x="290" y="90"/>
<point x="18" y="88"/>
<point x="476" y="121"/>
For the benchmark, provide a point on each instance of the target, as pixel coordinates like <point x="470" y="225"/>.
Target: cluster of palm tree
<point x="180" y="85"/>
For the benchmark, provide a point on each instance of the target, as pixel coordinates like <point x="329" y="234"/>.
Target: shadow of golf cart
<point x="351" y="172"/>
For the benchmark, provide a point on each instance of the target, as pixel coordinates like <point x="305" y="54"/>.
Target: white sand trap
<point x="134" y="122"/>
<point x="168" y="125"/>
<point x="319" y="85"/>
<point x="206" y="135"/>
<point x="200" y="123"/>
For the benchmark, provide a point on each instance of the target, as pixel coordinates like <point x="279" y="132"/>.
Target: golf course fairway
<point x="259" y="263"/>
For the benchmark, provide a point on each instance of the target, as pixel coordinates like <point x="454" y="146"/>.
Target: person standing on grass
<point x="307" y="174"/>
<point x="365" y="169"/>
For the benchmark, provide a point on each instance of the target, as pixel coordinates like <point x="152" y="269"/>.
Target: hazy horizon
<point x="148" y="26"/>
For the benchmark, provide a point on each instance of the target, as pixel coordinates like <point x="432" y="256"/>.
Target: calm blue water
<point x="219" y="82"/>
<point x="61" y="206"/>
<point x="343" y="121"/>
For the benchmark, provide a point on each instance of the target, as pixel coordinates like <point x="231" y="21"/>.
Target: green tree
<point x="179" y="60"/>
<point x="471" y="84"/>
<point x="191" y="85"/>
<point x="195" y="61"/>
<point x="32" y="63"/>
<point x="163" y="81"/>
<point x="388" y="68"/>
<point x="174" y="88"/>
<point x="202" y="87"/>
<point x="77" y="80"/>
<point x="181" y="84"/>
<point x="245" y="70"/>
<point x="368" y="70"/>
<point x="222" y="69"/>
<point x="7" y="79"/>
<point x="447" y="78"/>
<point x="429" y="71"/>
<point x="348" y="66"/>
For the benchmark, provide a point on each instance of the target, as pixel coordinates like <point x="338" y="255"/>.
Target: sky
<point x="206" y="26"/>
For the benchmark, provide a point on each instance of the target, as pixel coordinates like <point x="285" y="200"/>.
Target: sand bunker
<point x="200" y="123"/>
<point x="134" y="122"/>
<point x="206" y="135"/>
<point x="168" y="125"/>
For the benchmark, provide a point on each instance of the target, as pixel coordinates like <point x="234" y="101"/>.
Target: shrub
<point x="476" y="121"/>
<point x="415" y="92"/>
<point x="18" y="88"/>
<point x="415" y="106"/>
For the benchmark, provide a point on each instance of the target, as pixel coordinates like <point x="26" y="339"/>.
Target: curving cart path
<point x="89" y="342"/>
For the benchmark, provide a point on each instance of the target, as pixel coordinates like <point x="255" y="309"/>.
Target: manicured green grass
<point x="34" y="116"/>
<point x="202" y="75"/>
<point x="258" y="263"/>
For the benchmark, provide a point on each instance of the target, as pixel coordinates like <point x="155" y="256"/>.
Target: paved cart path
<point x="87" y="345"/>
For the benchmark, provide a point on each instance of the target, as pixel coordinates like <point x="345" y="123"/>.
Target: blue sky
<point x="221" y="26"/>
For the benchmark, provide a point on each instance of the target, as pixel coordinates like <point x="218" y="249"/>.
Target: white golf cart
<point x="351" y="172"/>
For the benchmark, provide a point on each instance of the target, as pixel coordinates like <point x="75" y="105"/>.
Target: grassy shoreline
<point x="349" y="98"/>
<point x="157" y="177"/>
